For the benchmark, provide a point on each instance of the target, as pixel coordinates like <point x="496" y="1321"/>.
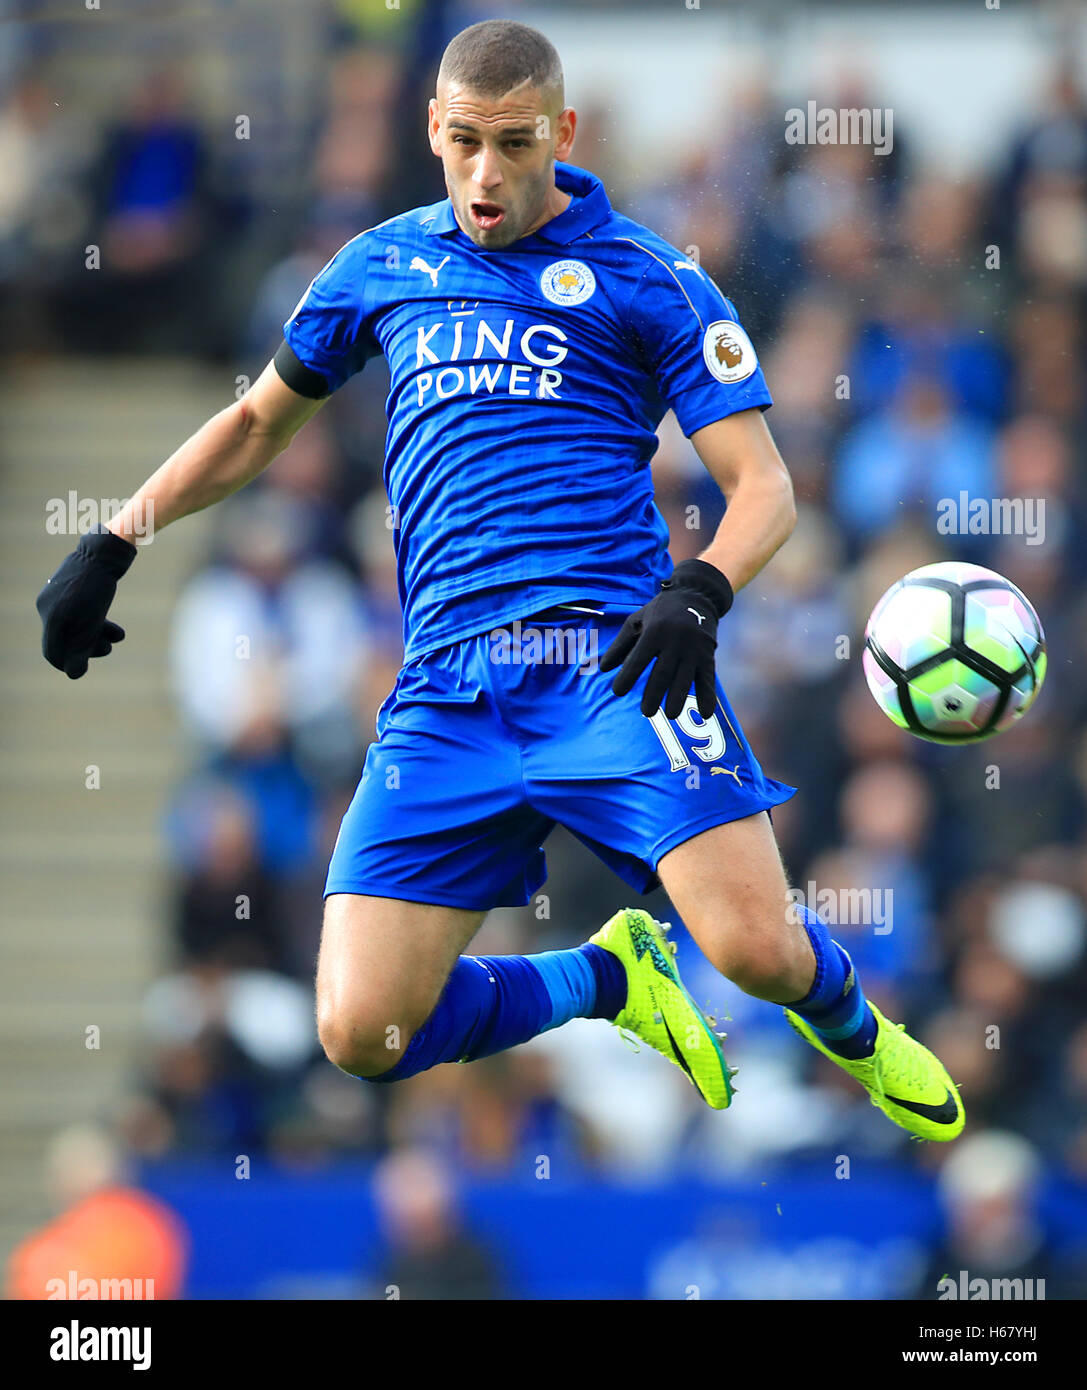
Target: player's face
<point x="499" y="159"/>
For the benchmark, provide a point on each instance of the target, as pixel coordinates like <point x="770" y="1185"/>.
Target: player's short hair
<point x="496" y="55"/>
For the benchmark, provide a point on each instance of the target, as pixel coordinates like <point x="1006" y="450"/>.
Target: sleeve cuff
<point x="695" y="409"/>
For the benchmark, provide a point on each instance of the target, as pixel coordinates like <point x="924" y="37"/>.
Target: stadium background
<point x="217" y="154"/>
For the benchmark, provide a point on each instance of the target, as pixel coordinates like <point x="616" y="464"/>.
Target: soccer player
<point x="535" y="338"/>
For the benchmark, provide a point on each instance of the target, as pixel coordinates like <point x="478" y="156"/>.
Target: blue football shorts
<point x="485" y="745"/>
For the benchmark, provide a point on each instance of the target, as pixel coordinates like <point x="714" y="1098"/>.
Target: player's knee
<point x="362" y="1042"/>
<point x="768" y="967"/>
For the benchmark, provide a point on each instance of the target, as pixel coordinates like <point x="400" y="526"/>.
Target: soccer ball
<point x="954" y="653"/>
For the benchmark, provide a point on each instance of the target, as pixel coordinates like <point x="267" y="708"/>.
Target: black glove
<point x="74" y="603"/>
<point x="679" y="629"/>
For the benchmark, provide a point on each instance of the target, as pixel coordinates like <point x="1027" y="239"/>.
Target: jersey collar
<point x="590" y="208"/>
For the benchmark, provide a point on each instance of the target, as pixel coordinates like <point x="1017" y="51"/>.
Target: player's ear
<point x="567" y="127"/>
<point x="434" y="126"/>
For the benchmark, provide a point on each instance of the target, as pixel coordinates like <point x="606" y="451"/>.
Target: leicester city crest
<point x="567" y="282"/>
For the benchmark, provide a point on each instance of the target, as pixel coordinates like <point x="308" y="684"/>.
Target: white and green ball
<point x="954" y="653"/>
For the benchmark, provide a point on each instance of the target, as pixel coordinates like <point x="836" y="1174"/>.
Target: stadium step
<point x="83" y="869"/>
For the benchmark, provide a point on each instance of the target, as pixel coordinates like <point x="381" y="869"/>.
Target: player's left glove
<point x="677" y="629"/>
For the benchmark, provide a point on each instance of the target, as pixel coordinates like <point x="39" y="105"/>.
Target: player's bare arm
<point x="227" y="452"/>
<point x="740" y="455"/>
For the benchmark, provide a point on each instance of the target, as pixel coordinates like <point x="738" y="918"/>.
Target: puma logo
<point x="727" y="772"/>
<point x="700" y="616"/>
<point x="417" y="263"/>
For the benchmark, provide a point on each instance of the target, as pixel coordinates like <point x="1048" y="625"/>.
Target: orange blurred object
<point x="116" y="1243"/>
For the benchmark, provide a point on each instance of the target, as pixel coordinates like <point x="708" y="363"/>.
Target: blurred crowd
<point x="921" y="337"/>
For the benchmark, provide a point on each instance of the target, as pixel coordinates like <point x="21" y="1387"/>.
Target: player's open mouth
<point x="487" y="215"/>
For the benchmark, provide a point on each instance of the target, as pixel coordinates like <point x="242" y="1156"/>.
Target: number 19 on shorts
<point x="706" y="735"/>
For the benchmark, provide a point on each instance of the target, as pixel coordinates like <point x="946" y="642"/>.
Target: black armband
<point x="301" y="379"/>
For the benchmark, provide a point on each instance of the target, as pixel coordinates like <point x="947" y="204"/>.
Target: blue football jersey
<point x="527" y="385"/>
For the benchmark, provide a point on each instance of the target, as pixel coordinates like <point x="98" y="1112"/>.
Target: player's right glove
<point x="74" y="603"/>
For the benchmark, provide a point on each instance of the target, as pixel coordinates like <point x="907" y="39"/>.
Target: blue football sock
<point x="611" y="980"/>
<point x="835" y="1005"/>
<point x="491" y="1003"/>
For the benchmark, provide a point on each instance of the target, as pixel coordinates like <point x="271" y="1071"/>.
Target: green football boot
<point x="659" y="1010"/>
<point x="904" y="1079"/>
